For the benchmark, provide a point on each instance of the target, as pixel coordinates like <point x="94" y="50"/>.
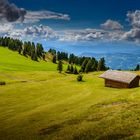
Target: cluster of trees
<point x="59" y="55"/>
<point x="32" y="50"/>
<point x="72" y="69"/>
<point x="12" y="44"/>
<point x="87" y="64"/>
<point x="26" y="48"/>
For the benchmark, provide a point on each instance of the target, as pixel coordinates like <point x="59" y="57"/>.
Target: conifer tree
<point x="68" y="68"/>
<point x="137" y="68"/>
<point x="101" y="65"/>
<point x="60" y="66"/>
<point x="71" y="69"/>
<point x="54" y="59"/>
<point x="75" y="71"/>
<point x="84" y="65"/>
<point x="88" y="66"/>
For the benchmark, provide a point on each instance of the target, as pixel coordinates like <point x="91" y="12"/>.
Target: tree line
<point x="23" y="48"/>
<point x="36" y="51"/>
<point x="87" y="64"/>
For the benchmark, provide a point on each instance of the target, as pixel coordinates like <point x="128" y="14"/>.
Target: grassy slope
<point x="47" y="105"/>
<point x="12" y="61"/>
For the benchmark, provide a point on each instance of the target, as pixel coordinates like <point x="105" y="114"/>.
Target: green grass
<point x="45" y="105"/>
<point x="12" y="61"/>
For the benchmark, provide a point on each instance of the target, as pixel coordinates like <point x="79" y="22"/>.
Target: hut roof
<point x="124" y="77"/>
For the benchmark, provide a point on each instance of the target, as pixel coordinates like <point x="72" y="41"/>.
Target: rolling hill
<point x="38" y="103"/>
<point x="12" y="61"/>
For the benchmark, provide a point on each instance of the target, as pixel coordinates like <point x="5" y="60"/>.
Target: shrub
<point x="2" y="83"/>
<point x="79" y="77"/>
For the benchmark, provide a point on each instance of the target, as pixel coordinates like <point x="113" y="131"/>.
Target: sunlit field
<point x="39" y="103"/>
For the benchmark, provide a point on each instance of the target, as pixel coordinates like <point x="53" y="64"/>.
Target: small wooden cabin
<point x="120" y="79"/>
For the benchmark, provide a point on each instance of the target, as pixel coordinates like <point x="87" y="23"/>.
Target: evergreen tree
<point x="137" y="68"/>
<point x="101" y="65"/>
<point x="68" y="68"/>
<point x="60" y="66"/>
<point x="54" y="59"/>
<point x="95" y="65"/>
<point x="84" y="65"/>
<point x="88" y="66"/>
<point x="24" y="52"/>
<point x="39" y="50"/>
<point x="71" y="69"/>
<point x="75" y="71"/>
<point x="20" y="49"/>
<point x="43" y="56"/>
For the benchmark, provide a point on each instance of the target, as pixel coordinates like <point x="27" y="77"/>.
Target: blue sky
<point x="100" y="28"/>
<point x="86" y="27"/>
<point x="85" y="13"/>
<point x="71" y="20"/>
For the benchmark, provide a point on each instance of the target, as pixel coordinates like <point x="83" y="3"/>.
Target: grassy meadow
<point x="38" y="103"/>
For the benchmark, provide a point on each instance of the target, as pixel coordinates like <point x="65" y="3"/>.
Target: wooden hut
<point x="120" y="79"/>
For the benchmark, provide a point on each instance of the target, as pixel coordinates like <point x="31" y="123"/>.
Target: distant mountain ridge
<point x="124" y="61"/>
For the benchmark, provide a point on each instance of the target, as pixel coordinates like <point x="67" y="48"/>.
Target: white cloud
<point x="31" y="32"/>
<point x="45" y="32"/>
<point x="132" y="35"/>
<point x="112" y="25"/>
<point x="6" y="28"/>
<point x="40" y="31"/>
<point x="134" y="18"/>
<point x="9" y="12"/>
<point x="82" y="35"/>
<point x="35" y="16"/>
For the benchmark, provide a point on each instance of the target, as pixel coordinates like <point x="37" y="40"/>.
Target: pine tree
<point x="101" y="65"/>
<point x="20" y="49"/>
<point x="43" y="56"/>
<point x="84" y="65"/>
<point x="54" y="59"/>
<point x="71" y="69"/>
<point x="88" y="66"/>
<point x="60" y="66"/>
<point x="137" y="68"/>
<point x="68" y="68"/>
<point x="75" y="71"/>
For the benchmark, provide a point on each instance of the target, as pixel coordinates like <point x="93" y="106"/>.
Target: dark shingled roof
<point x="120" y="76"/>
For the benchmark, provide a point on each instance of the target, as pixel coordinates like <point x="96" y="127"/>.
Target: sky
<point x="78" y="26"/>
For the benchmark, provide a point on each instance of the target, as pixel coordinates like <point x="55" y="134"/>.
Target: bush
<point x="80" y="77"/>
<point x="2" y="83"/>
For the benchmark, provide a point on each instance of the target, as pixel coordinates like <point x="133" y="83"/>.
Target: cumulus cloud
<point x="11" y="12"/>
<point x="111" y="25"/>
<point x="132" y="35"/>
<point x="6" y="28"/>
<point x="83" y="35"/>
<point x="45" y="32"/>
<point x="32" y="32"/>
<point x="134" y="18"/>
<point x="40" y="31"/>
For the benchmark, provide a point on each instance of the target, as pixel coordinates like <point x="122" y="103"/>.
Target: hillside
<point x="12" y="61"/>
<point x="38" y="103"/>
